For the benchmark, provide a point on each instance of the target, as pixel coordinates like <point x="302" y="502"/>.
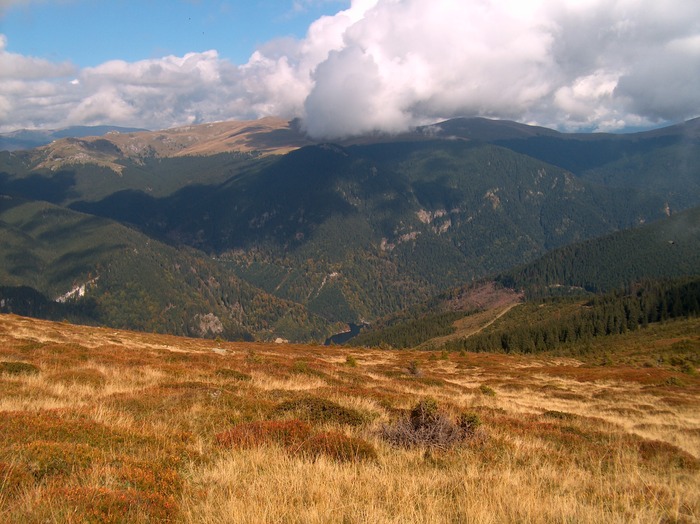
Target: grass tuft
<point x="81" y="377"/>
<point x="337" y="446"/>
<point x="285" y="433"/>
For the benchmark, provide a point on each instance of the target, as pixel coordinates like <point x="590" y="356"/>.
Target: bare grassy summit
<point x="266" y="136"/>
<point x="98" y="425"/>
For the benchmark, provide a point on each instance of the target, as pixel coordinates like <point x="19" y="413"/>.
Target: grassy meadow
<point x="98" y="425"/>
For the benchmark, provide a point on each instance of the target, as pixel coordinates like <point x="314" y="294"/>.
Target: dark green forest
<point x="565" y="322"/>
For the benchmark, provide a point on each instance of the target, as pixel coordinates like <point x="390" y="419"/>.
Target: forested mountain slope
<point x="356" y="231"/>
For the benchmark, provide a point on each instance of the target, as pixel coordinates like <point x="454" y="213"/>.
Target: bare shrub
<point x="430" y="427"/>
<point x="414" y="369"/>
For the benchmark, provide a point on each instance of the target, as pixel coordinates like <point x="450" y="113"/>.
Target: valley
<point x="271" y="235"/>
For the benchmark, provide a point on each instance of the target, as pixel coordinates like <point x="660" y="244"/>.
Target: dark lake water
<point x="342" y="338"/>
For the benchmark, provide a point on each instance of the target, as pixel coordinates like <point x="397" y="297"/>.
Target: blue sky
<point x="89" y="32"/>
<point x="349" y="67"/>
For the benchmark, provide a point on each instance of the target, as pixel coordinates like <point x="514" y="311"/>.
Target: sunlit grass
<point x="110" y="426"/>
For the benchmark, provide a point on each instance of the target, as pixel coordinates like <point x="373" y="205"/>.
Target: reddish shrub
<point x="14" y="478"/>
<point x="283" y="432"/>
<point x="148" y="476"/>
<point x="667" y="455"/>
<point x="102" y="505"/>
<point x="55" y="458"/>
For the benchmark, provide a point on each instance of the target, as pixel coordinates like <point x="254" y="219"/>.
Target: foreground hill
<point x="112" y="426"/>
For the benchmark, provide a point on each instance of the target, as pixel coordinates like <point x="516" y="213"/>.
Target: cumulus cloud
<point x="387" y="65"/>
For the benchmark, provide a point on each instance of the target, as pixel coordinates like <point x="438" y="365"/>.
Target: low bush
<point x="232" y="374"/>
<point x="297" y="438"/>
<point x="666" y="455"/>
<point x="146" y="476"/>
<point x="487" y="390"/>
<point x="14" y="478"/>
<point x="469" y="423"/>
<point x="558" y="415"/>
<point x="320" y="410"/>
<point x="413" y="368"/>
<point x="18" y="368"/>
<point x="44" y="458"/>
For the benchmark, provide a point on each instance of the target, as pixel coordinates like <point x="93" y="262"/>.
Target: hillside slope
<point x="108" y="274"/>
<point x="667" y="248"/>
<point x="110" y="426"/>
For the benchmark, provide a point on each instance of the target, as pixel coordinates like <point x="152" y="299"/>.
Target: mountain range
<point x="253" y="230"/>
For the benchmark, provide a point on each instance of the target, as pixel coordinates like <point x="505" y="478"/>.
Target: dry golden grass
<point x="98" y="425"/>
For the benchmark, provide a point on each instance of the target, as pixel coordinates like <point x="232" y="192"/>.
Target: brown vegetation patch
<point x="15" y="477"/>
<point x="149" y="476"/>
<point x="18" y="368"/>
<point x="232" y="374"/>
<point x="104" y="505"/>
<point x="337" y="446"/>
<point x="645" y="376"/>
<point x="44" y="458"/>
<point x="666" y="455"/>
<point x="286" y="433"/>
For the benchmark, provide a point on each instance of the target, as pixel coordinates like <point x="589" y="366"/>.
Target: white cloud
<point x="385" y="65"/>
<point x="14" y="66"/>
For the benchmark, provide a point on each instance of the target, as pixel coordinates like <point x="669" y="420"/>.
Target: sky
<point x="348" y="67"/>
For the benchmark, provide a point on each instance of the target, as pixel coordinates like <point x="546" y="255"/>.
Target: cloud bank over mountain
<point x="386" y="65"/>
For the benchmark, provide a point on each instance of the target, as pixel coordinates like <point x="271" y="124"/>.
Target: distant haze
<point x="387" y="65"/>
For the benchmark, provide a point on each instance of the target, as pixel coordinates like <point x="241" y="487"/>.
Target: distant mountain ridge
<point x="115" y="149"/>
<point x="344" y="232"/>
<point x="31" y="138"/>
